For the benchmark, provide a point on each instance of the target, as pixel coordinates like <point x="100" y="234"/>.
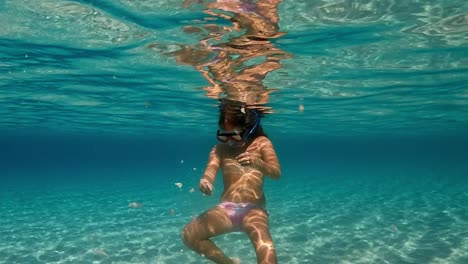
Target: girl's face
<point x="231" y="134"/>
<point x="233" y="137"/>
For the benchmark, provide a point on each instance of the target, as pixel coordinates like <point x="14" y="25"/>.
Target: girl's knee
<point x="187" y="238"/>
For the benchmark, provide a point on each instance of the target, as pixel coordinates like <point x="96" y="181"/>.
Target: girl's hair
<point x="239" y="115"/>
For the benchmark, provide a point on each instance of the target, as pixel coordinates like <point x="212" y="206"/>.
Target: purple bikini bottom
<point x="237" y="212"/>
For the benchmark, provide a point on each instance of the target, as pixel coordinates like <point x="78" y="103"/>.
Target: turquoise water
<point x="366" y="104"/>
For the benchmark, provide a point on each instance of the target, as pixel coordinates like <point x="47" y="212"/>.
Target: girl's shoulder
<point x="262" y="139"/>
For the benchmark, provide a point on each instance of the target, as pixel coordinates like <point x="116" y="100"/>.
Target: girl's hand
<point x="206" y="187"/>
<point x="247" y="159"/>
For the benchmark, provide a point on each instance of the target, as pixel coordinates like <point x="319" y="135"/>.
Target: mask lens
<point x="237" y="137"/>
<point x="222" y="138"/>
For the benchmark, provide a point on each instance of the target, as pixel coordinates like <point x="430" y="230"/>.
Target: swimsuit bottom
<point x="237" y="212"/>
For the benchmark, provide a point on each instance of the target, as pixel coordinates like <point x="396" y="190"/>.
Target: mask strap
<point x="255" y="126"/>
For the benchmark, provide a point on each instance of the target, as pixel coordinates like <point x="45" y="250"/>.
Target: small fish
<point x="394" y="228"/>
<point x="100" y="252"/>
<point x="135" y="205"/>
<point x="301" y="108"/>
<point x="178" y="184"/>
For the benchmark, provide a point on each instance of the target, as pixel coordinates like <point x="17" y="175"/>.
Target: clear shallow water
<point x="65" y="200"/>
<point x="369" y="119"/>
<point x="332" y="220"/>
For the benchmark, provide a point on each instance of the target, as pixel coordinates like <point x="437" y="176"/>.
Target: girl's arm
<point x="209" y="176"/>
<point x="269" y="163"/>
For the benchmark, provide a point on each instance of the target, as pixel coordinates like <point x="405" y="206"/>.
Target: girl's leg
<point x="255" y="224"/>
<point x="211" y="223"/>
